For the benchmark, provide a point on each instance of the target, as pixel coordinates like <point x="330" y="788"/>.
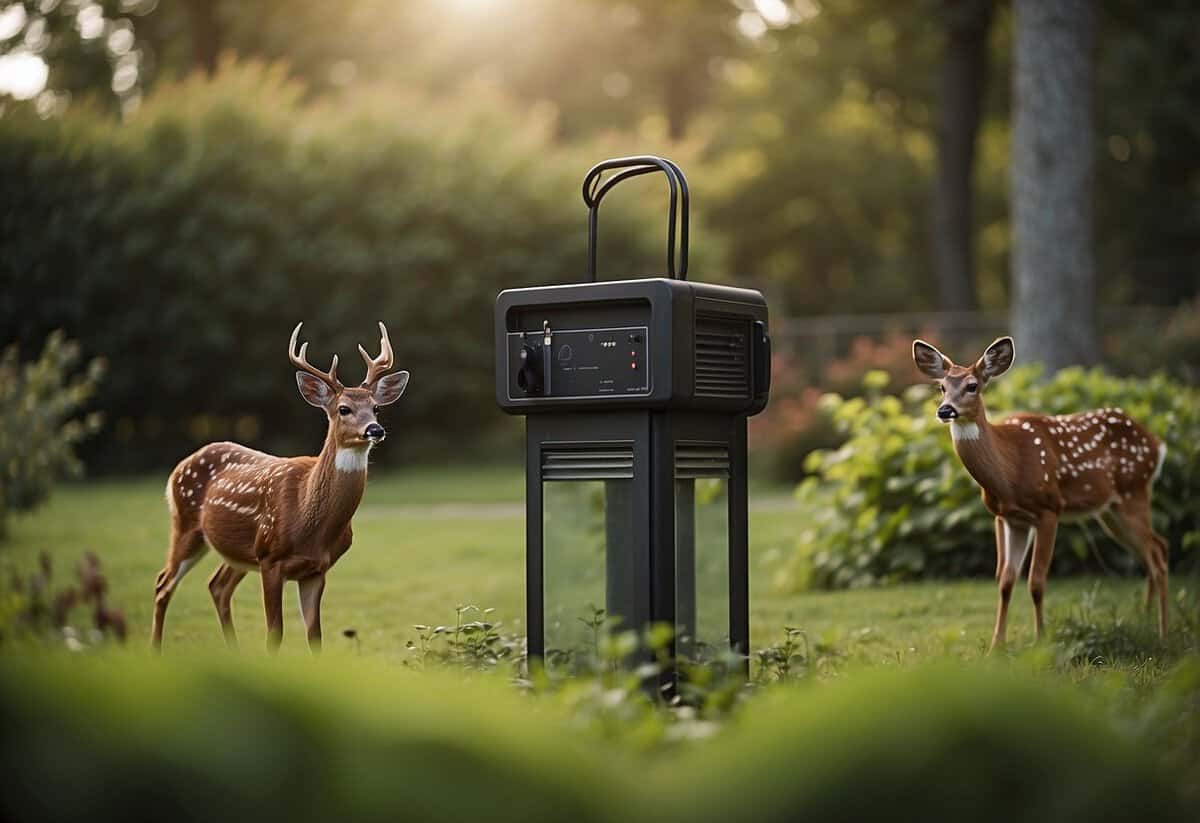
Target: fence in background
<point x="810" y="342"/>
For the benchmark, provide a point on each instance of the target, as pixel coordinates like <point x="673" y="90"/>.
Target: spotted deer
<point x="288" y="518"/>
<point x="1037" y="471"/>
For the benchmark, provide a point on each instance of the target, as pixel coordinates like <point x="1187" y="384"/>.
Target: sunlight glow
<point x="12" y="20"/>
<point x="751" y="25"/>
<point x="472" y="6"/>
<point x="90" y="22"/>
<point x="22" y="75"/>
<point x="774" y="12"/>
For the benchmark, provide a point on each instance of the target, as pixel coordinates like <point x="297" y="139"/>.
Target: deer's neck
<point x="982" y="453"/>
<point x="335" y="485"/>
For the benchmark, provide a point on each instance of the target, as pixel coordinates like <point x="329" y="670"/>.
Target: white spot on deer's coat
<point x="958" y="431"/>
<point x="355" y="460"/>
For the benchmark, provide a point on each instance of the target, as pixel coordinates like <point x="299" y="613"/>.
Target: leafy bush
<point x="39" y="430"/>
<point x="894" y="503"/>
<point x="187" y="242"/>
<point x="123" y="737"/>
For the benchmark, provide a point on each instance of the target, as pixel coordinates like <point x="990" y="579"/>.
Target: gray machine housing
<point x="655" y="343"/>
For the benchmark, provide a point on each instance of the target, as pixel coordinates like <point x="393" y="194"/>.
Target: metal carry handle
<point x="593" y="193"/>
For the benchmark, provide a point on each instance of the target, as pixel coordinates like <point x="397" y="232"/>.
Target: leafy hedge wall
<point x="894" y="502"/>
<point x="186" y="243"/>
<point x="124" y="737"/>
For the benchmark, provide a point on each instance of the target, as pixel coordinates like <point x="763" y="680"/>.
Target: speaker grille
<point x="722" y="357"/>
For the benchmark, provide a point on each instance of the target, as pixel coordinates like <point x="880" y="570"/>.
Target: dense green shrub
<point x="123" y="737"/>
<point x="39" y="424"/>
<point x="894" y="503"/>
<point x="185" y="244"/>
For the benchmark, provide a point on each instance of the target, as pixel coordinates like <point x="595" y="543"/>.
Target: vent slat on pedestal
<point x="590" y="461"/>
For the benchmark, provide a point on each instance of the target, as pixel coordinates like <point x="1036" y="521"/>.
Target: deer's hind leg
<point x="221" y="586"/>
<point x="187" y="547"/>
<point x="1128" y="522"/>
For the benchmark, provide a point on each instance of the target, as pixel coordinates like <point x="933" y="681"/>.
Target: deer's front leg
<point x="272" y="581"/>
<point x="311" y="589"/>
<point x="1039" y="568"/>
<point x="1016" y="541"/>
<point x="999" y="546"/>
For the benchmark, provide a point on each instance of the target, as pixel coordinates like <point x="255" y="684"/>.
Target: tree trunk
<point x="961" y="88"/>
<point x="206" y="34"/>
<point x="1052" y="261"/>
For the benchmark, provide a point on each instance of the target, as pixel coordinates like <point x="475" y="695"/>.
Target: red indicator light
<point x="633" y="354"/>
<point x="633" y="365"/>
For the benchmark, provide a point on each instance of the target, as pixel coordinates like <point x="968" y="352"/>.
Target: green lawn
<point x="428" y="538"/>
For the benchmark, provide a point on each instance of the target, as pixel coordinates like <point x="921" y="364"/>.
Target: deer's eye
<point x="344" y="410"/>
<point x="941" y="388"/>
<point x="972" y="388"/>
<point x="375" y="409"/>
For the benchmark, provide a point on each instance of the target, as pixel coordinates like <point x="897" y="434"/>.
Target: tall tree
<point x="962" y="81"/>
<point x="206" y="34"/>
<point x="1052" y="169"/>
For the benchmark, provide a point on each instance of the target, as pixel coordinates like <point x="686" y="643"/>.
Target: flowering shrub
<point x="793" y="425"/>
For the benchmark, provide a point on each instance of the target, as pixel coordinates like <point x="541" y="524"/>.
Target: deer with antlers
<point x="288" y="518"/>
<point x="1037" y="471"/>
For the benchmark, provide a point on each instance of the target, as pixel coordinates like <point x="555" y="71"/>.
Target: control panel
<point x="579" y="363"/>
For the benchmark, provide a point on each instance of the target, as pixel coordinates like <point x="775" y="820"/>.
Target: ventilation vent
<point x="588" y="461"/>
<point x="701" y="460"/>
<point x="722" y="359"/>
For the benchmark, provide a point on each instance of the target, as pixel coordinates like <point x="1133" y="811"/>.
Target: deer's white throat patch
<point x="964" y="431"/>
<point x="351" y="460"/>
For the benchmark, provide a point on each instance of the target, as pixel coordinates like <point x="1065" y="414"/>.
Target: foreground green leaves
<point x="124" y="736"/>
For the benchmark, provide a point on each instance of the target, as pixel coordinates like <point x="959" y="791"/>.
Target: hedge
<point x="185" y="244"/>
<point x="124" y="737"/>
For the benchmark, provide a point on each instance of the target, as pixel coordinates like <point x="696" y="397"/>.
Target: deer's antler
<point x="300" y="361"/>
<point x="379" y="366"/>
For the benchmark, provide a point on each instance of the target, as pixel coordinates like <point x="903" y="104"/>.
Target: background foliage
<point x="40" y="421"/>
<point x="894" y="503"/>
<point x="407" y="160"/>
<point x="188" y="242"/>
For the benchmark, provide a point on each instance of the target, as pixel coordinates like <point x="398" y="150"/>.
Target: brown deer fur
<point x="287" y="518"/>
<point x="1037" y="470"/>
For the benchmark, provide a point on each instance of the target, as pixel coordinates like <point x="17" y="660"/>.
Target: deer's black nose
<point x="374" y="432"/>
<point x="947" y="412"/>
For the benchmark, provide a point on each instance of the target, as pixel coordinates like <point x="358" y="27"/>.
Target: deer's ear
<point x="315" y="392"/>
<point x="387" y="389"/>
<point x="997" y="359"/>
<point x="930" y="361"/>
